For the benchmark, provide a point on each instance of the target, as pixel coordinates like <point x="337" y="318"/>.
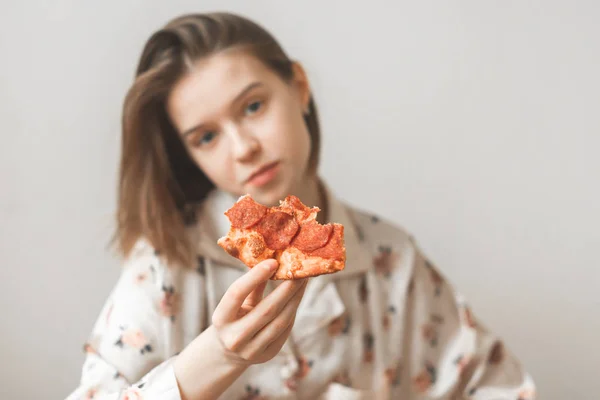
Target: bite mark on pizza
<point x="289" y="233"/>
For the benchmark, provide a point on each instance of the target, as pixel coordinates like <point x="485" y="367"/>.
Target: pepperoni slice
<point x="245" y="213"/>
<point x="312" y="236"/>
<point x="278" y="229"/>
<point x="334" y="249"/>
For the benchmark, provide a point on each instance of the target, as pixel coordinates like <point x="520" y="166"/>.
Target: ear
<point x="300" y="81"/>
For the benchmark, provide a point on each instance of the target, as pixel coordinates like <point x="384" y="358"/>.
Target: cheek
<point x="300" y="143"/>
<point x="285" y="133"/>
<point x="215" y="165"/>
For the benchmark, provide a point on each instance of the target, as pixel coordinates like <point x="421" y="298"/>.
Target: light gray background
<point x="474" y="124"/>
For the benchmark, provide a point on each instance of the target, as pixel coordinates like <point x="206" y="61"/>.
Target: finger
<point x="255" y="297"/>
<point x="261" y="345"/>
<point x="279" y="326"/>
<point x="279" y="341"/>
<point x="252" y="300"/>
<point x="240" y="289"/>
<point x="271" y="306"/>
<point x="241" y="332"/>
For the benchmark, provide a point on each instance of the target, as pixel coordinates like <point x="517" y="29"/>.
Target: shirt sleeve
<point x="129" y="353"/>
<point x="452" y="354"/>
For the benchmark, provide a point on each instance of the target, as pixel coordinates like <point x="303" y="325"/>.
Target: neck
<point x="313" y="196"/>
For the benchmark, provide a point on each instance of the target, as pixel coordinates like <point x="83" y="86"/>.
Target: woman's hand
<point x="246" y="329"/>
<point x="252" y="330"/>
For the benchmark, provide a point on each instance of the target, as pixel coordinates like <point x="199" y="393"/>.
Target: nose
<point x="245" y="145"/>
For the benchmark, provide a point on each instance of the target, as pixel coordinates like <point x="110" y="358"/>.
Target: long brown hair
<point x="158" y="181"/>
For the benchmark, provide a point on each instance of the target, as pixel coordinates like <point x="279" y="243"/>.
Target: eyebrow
<point x="237" y="98"/>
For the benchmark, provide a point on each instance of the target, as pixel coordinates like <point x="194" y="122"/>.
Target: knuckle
<point x="280" y="327"/>
<point x="250" y="354"/>
<point x="234" y="292"/>
<point x="269" y="311"/>
<point x="216" y="320"/>
<point x="231" y="342"/>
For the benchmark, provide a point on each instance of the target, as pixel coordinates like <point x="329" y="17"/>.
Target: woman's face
<point x="244" y="126"/>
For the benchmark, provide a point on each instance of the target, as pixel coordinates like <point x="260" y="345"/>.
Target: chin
<point x="270" y="198"/>
<point x="273" y="195"/>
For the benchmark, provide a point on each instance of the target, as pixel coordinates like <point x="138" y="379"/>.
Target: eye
<point x="204" y="139"/>
<point x="253" y="107"/>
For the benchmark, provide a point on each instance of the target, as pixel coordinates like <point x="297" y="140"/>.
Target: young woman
<point x="218" y="110"/>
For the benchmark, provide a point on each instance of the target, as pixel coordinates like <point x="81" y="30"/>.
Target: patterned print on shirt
<point x="135" y="339"/>
<point x="425" y="379"/>
<point x="385" y="260"/>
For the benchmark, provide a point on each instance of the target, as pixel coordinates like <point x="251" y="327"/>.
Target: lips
<point x="264" y="174"/>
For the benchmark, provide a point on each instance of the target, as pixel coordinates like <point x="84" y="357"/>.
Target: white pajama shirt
<point x="389" y="326"/>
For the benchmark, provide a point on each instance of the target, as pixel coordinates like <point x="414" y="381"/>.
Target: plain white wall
<point x="475" y="125"/>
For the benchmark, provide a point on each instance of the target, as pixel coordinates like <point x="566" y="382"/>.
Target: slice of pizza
<point x="289" y="233"/>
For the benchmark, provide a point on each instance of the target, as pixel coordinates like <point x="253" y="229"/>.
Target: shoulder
<point x="146" y="259"/>
<point x="146" y="273"/>
<point x="397" y="253"/>
<point x="137" y="323"/>
<point x="373" y="228"/>
<point x="391" y="249"/>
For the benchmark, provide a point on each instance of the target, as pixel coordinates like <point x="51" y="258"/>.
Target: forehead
<point x="213" y="82"/>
